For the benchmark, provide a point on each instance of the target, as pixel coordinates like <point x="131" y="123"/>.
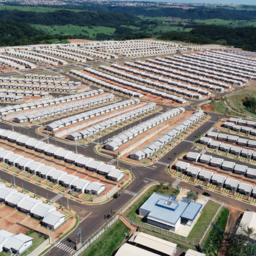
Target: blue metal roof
<point x="191" y="211"/>
<point x="165" y="208"/>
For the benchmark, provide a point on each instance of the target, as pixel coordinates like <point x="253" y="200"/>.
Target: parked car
<point x="116" y="195"/>
<point x="199" y="186"/>
<point x="207" y="194"/>
<point x="71" y="191"/>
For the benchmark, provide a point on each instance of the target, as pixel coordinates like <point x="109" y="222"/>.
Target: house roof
<point x="68" y="179"/>
<point x="4" y="192"/>
<point x="218" y="178"/>
<point x="193" y="170"/>
<point x="114" y="173"/>
<point x="246" y="187"/>
<point x="205" y="174"/>
<point x="228" y="164"/>
<point x="232" y="182"/>
<point x="240" y="168"/>
<point x="131" y="250"/>
<point x="96" y="186"/>
<point x="28" y="203"/>
<point x="52" y="218"/>
<point x="154" y="243"/>
<point x="17" y="241"/>
<point x="80" y="183"/>
<point x="15" y="198"/>
<point x="4" y="234"/>
<point x="93" y="164"/>
<point x="191" y="252"/>
<point x="205" y="157"/>
<point x="105" y="168"/>
<point x="42" y="209"/>
<point x="248" y="220"/>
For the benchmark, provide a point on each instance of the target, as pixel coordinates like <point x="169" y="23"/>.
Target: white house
<point x="53" y="220"/>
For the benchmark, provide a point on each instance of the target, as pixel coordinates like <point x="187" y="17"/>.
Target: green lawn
<point x="107" y="243"/>
<point x="212" y="245"/>
<point x="74" y="30"/>
<point x="204" y="220"/>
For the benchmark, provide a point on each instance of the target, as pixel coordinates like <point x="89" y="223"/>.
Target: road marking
<point x="111" y="161"/>
<point x="55" y="198"/>
<point x="130" y="193"/>
<point x="211" y="121"/>
<point x="158" y="162"/>
<point x="150" y="179"/>
<point x="189" y="141"/>
<point x="65" y="248"/>
<point x="176" y="183"/>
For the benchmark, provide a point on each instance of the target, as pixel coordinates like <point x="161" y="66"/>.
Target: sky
<point x="246" y="2"/>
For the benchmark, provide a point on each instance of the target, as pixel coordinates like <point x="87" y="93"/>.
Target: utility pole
<point x="14" y="181"/>
<point x="50" y="238"/>
<point x="68" y="202"/>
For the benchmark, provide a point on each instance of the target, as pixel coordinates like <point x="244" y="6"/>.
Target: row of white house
<point x="198" y="71"/>
<point x="222" y="56"/>
<point x="228" y="148"/>
<point x="50" y="102"/>
<point x="210" y="59"/>
<point x="50" y="173"/>
<point x="223" y="164"/>
<point x="44" y="172"/>
<point x="242" y="122"/>
<point x="242" y="55"/>
<point x="110" y="122"/>
<point x="43" y="87"/>
<point x="11" y="97"/>
<point x="100" y="54"/>
<point x="24" y="92"/>
<point x="11" y="64"/>
<point x="177" y="74"/>
<point x="241" y="128"/>
<point x="160" y="77"/>
<point x="26" y="81"/>
<point x="64" y="122"/>
<point x="231" y="139"/>
<point x="14" y="244"/>
<point x="216" y="179"/>
<point x="16" y="61"/>
<point x="105" y="84"/>
<point x="38" y="57"/>
<point x="127" y="135"/>
<point x="47" y="77"/>
<point x="186" y="61"/>
<point x="86" y="52"/>
<point x="52" y="111"/>
<point x="167" y="137"/>
<point x="47" y="214"/>
<point x="64" y="54"/>
<point x="136" y="86"/>
<point x="189" y="92"/>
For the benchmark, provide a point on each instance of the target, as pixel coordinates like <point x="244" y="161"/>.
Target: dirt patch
<point x="17" y="217"/>
<point x="6" y="224"/>
<point x="79" y="41"/>
<point x="5" y="210"/>
<point x="32" y="223"/>
<point x="207" y="108"/>
<point x="18" y="229"/>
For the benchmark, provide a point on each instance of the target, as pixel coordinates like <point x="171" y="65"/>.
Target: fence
<point x="110" y="193"/>
<point x="39" y="248"/>
<point x="164" y="232"/>
<point x="210" y="223"/>
<point x="95" y="236"/>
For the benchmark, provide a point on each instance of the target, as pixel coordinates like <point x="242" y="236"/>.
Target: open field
<point x="74" y="30"/>
<point x="109" y="241"/>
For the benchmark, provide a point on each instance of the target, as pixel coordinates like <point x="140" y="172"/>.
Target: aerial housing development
<point x="127" y="147"/>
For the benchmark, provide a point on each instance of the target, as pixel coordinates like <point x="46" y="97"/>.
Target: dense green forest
<point x="13" y="33"/>
<point x="64" y="17"/>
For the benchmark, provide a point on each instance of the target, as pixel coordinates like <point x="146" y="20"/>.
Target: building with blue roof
<point x="165" y="212"/>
